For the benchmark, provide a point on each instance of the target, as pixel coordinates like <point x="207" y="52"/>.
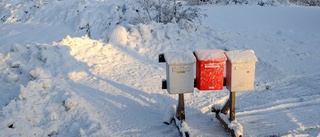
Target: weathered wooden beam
<point x="232" y="106"/>
<point x="179" y="124"/>
<point x="226" y="107"/>
<point x="229" y="106"/>
<point x="225" y="125"/>
<point x="180" y="109"/>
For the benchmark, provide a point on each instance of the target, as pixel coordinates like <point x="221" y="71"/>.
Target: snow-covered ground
<point x="56" y="81"/>
<point x="286" y="41"/>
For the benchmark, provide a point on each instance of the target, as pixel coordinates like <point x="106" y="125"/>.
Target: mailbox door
<point x="180" y="78"/>
<point x="240" y="76"/>
<point x="210" y="75"/>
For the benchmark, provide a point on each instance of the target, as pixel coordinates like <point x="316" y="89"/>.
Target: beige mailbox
<point x="240" y="70"/>
<point x="180" y="69"/>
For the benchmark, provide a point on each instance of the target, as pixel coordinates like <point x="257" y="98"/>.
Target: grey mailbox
<point x="180" y="69"/>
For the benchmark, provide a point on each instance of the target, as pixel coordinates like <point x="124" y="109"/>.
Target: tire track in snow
<point x="97" y="100"/>
<point x="290" y="106"/>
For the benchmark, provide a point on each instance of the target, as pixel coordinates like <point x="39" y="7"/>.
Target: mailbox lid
<point x="240" y="56"/>
<point x="179" y="58"/>
<point x="216" y="55"/>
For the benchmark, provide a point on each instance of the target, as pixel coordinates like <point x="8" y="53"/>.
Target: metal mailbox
<point x="180" y="69"/>
<point x="210" y="69"/>
<point x="240" y="70"/>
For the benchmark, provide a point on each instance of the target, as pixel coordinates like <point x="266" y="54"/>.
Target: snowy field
<point x="57" y="81"/>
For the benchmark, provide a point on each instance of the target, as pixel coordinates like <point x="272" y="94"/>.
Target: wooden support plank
<point x="232" y="106"/>
<point x="180" y="109"/>
<point x="226" y="107"/>
<point x="225" y="125"/>
<point x="179" y="123"/>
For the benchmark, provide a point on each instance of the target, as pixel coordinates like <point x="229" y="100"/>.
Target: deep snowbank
<point x="47" y="80"/>
<point x="92" y="17"/>
<point x="43" y="106"/>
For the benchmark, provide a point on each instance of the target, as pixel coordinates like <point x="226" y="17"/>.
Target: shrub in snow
<point x="306" y="2"/>
<point x="187" y="25"/>
<point x="165" y="11"/>
<point x="240" y="2"/>
<point x="97" y="18"/>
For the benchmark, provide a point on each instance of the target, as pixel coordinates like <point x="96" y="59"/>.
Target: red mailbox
<point x="210" y="69"/>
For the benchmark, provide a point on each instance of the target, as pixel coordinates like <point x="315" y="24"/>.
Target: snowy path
<point x="292" y="105"/>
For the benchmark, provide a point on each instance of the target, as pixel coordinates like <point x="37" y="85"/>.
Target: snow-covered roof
<point x="177" y="58"/>
<point x="210" y="55"/>
<point x="240" y="56"/>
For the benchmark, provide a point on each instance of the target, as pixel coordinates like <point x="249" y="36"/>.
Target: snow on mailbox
<point x="180" y="72"/>
<point x="210" y="69"/>
<point x="240" y="70"/>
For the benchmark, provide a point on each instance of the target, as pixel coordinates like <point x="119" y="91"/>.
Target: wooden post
<point x="180" y="109"/>
<point x="232" y="106"/>
<point x="226" y="107"/>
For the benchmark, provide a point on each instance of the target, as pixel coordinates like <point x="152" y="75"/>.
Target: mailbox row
<point x="209" y="67"/>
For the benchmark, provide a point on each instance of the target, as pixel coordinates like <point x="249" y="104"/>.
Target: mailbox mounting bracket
<point x="161" y="58"/>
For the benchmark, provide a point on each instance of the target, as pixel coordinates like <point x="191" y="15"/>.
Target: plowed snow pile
<point x="81" y="68"/>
